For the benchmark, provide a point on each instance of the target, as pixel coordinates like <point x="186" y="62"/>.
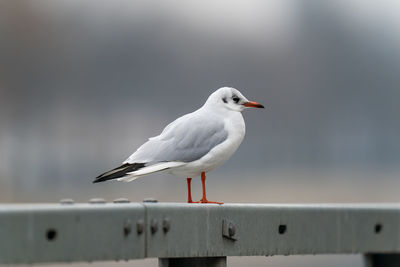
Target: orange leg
<point x="204" y="198"/>
<point x="189" y="180"/>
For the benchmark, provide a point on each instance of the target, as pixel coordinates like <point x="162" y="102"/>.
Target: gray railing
<point x="181" y="234"/>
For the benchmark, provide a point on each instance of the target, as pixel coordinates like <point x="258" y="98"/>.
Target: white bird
<point x="193" y="144"/>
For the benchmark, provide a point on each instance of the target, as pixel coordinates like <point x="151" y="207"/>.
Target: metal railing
<point x="180" y="234"/>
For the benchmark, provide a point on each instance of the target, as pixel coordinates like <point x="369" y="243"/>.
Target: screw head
<point x="139" y="226"/>
<point x="166" y="225"/>
<point x="153" y="226"/>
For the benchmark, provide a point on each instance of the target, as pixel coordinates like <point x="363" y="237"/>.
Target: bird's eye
<point x="235" y="99"/>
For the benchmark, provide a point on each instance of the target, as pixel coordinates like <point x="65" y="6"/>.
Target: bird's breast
<point x="221" y="153"/>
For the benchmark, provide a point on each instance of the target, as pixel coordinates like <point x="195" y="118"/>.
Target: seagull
<point x="193" y="144"/>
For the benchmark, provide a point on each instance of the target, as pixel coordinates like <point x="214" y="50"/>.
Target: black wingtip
<point x="101" y="178"/>
<point x="118" y="172"/>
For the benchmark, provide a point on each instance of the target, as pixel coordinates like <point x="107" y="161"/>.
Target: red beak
<point x="252" y="104"/>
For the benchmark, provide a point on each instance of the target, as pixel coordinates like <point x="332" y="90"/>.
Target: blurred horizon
<point x="84" y="83"/>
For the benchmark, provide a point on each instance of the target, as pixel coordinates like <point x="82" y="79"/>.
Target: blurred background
<point x="84" y="83"/>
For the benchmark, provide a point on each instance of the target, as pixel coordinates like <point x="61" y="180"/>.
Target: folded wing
<point x="187" y="139"/>
<point x="184" y="140"/>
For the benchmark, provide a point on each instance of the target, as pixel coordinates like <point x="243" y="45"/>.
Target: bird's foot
<point x="204" y="200"/>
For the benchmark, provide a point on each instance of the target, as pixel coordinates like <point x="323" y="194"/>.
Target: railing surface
<point x="179" y="232"/>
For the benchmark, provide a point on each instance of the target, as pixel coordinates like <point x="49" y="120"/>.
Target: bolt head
<point x="231" y="229"/>
<point x="139" y="226"/>
<point x="127" y="227"/>
<point x="166" y="225"/>
<point x="153" y="226"/>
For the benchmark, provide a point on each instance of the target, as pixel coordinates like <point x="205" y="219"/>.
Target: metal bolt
<point x="166" y="225"/>
<point x="153" y="226"/>
<point x="139" y="226"/>
<point x="150" y="200"/>
<point x="97" y="201"/>
<point x="67" y="201"/>
<point x="231" y="229"/>
<point x="121" y="200"/>
<point x="127" y="227"/>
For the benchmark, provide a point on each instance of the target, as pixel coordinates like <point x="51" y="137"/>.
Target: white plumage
<point x="194" y="143"/>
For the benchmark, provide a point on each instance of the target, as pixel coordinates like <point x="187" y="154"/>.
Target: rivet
<point x="97" y="201"/>
<point x="121" y="200"/>
<point x="67" y="201"/>
<point x="166" y="224"/>
<point x="127" y="227"/>
<point x="150" y="200"/>
<point x="153" y="226"/>
<point x="139" y="226"/>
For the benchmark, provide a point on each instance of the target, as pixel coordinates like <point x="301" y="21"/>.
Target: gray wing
<point x="186" y="139"/>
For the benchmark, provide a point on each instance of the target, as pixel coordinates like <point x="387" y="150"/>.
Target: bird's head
<point x="232" y="99"/>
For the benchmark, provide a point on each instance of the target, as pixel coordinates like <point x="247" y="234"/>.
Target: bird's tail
<point x="119" y="172"/>
<point x="130" y="171"/>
